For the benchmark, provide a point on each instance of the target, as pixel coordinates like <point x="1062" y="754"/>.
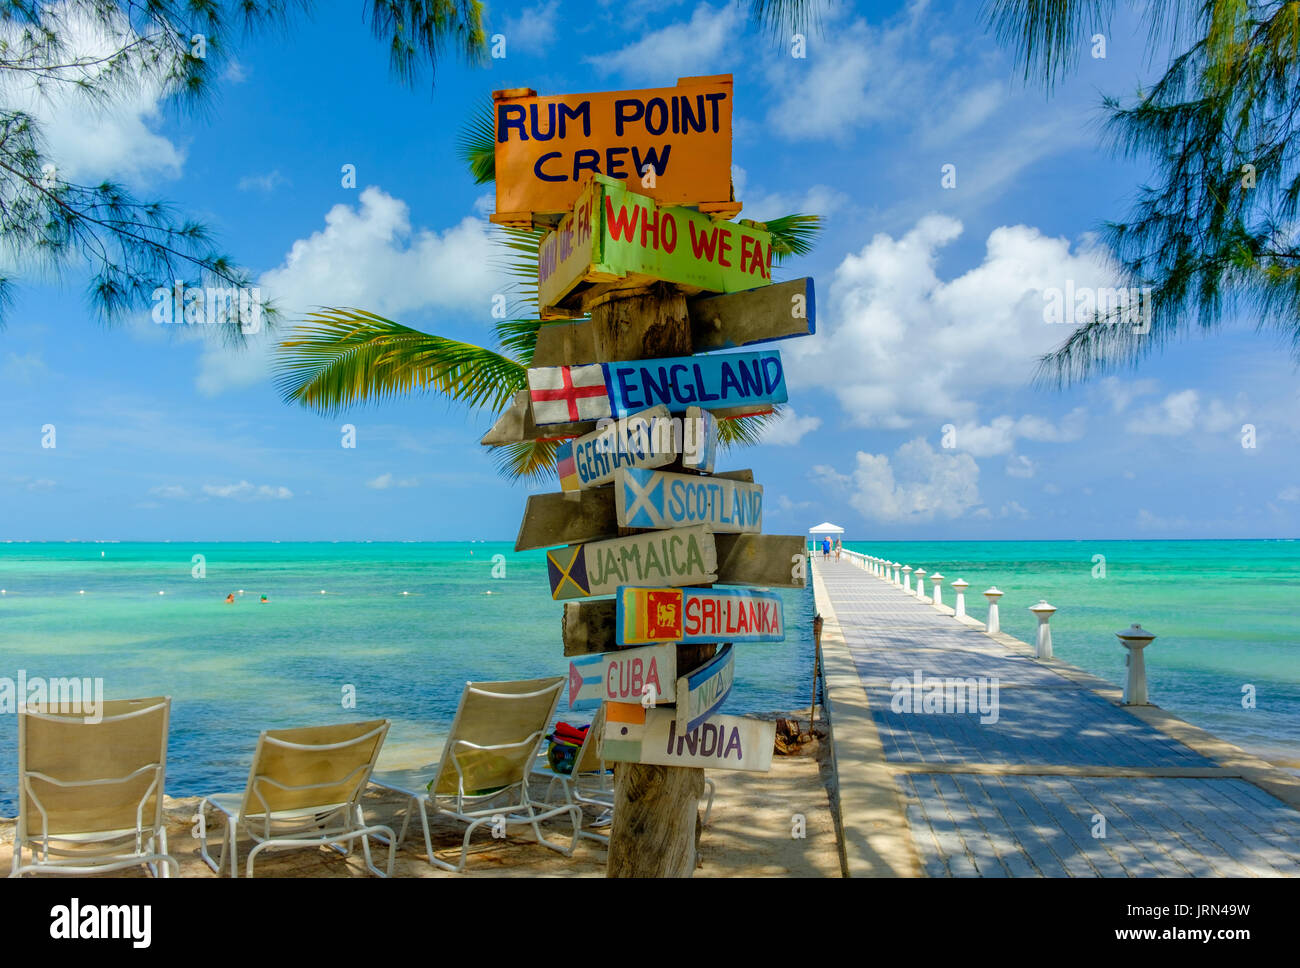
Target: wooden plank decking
<point x="1027" y="794"/>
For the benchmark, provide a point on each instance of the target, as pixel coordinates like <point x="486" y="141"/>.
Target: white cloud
<point x="244" y="491"/>
<point x="262" y="183"/>
<point x="113" y="137"/>
<point x="40" y="485"/>
<point x="1119" y="393"/>
<point x="999" y="436"/>
<point x="898" y="344"/>
<point x="173" y="492"/>
<point x="1146" y="521"/>
<point x="1021" y="466"/>
<point x="533" y="30"/>
<point x="853" y="77"/>
<point x="385" y="481"/>
<point x="790" y="428"/>
<point x="698" y="47"/>
<point x="23" y="369"/>
<point x="1182" y="413"/>
<point x="366" y="256"/>
<point x="1289" y="493"/>
<point x="818" y="200"/>
<point x="1013" y="509"/>
<point x="919" y="485"/>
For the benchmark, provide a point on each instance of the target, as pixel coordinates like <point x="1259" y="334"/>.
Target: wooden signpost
<point x="779" y="311"/>
<point x="617" y="239"/>
<point x="752" y="381"/>
<point x="782" y="310"/>
<point x="632" y="675"/>
<point x="702" y="692"/>
<point x="547" y="147"/>
<point x="650" y="438"/>
<point x="683" y="556"/>
<point x="696" y="615"/>
<point x="658" y="499"/>
<point x="634" y="734"/>
<point x="633" y="188"/>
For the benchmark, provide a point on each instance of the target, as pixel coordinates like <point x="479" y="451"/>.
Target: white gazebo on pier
<point x="825" y="528"/>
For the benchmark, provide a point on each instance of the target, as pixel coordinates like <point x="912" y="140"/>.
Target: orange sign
<point x="672" y="144"/>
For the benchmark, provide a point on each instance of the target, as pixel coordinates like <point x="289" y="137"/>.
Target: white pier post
<point x="961" y="585"/>
<point x="1135" y="638"/>
<point x="937" y="597"/>
<point x="907" y="579"/>
<point x="1044" y="612"/>
<point x="993" y="626"/>
<point x="898" y="574"/>
<point x="920" y="584"/>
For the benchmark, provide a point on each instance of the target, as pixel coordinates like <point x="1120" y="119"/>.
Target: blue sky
<point x="930" y="299"/>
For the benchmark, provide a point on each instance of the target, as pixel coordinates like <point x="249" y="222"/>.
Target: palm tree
<point x="1214" y="231"/>
<point x="342" y="357"/>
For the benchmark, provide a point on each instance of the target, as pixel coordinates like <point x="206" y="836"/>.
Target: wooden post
<point x="656" y="808"/>
<point x="817" y="656"/>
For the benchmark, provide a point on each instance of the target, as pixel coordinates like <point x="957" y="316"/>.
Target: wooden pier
<point x="1056" y="778"/>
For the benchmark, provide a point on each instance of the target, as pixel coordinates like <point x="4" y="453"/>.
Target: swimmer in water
<point x="265" y="601"/>
<point x="230" y="599"/>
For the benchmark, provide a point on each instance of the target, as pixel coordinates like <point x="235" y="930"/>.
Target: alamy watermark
<point x="1079" y="305"/>
<point x="933" y="695"/>
<point x="209" y="306"/>
<point x="65" y="696"/>
<point x="648" y="436"/>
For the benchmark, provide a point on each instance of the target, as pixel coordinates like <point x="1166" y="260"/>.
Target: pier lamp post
<point x="960" y="585"/>
<point x="920" y="583"/>
<point x="993" y="626"/>
<point x="1044" y="613"/>
<point x="907" y="578"/>
<point x="937" y="587"/>
<point x="1135" y="638"/>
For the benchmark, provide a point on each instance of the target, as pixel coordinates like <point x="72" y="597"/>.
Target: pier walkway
<point x="1064" y="781"/>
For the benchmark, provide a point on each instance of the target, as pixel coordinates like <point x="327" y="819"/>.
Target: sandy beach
<point x="749" y="835"/>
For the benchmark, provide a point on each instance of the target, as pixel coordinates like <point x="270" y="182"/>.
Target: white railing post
<point x="993" y="626"/>
<point x="920" y="584"/>
<point x="907" y="579"/>
<point x="961" y="585"/>
<point x="937" y="597"/>
<point x="1044" y="612"/>
<point x="1135" y="639"/>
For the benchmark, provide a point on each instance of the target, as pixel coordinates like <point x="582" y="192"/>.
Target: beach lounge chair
<point x="90" y="794"/>
<point x="483" y="777"/>
<point x="304" y="790"/>
<point x="591" y="783"/>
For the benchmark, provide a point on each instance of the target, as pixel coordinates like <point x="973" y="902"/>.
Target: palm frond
<point x="784" y="17"/>
<point x="1046" y="35"/>
<point x="746" y="431"/>
<point x="343" y="357"/>
<point x="529" y="460"/>
<point x="793" y="235"/>
<point x="520" y="262"/>
<point x="518" y="337"/>
<point x="477" y="142"/>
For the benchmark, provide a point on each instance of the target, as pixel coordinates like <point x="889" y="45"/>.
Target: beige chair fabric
<point x="91" y="788"/>
<point x="482" y="777"/>
<point x="304" y="789"/>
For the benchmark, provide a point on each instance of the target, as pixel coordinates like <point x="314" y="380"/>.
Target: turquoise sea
<point x="1225" y="612"/>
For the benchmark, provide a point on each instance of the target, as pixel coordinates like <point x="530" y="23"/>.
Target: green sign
<point x="617" y="239"/>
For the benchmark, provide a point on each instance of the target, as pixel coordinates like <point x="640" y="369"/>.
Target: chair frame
<point x="100" y="851"/>
<point x="317" y="825"/>
<point x="475" y="810"/>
